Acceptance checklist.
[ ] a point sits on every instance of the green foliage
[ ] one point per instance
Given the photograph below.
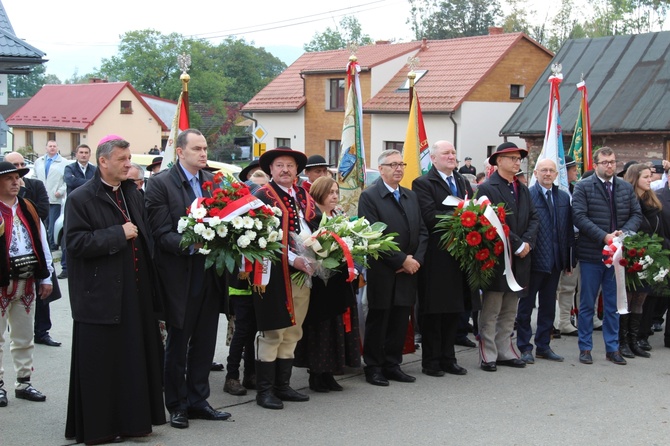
(25, 86)
(436, 19)
(349, 30)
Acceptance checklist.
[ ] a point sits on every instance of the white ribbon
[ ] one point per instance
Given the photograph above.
(619, 275)
(492, 217)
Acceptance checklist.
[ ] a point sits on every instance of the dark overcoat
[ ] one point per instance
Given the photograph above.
(443, 286)
(95, 245)
(386, 286)
(523, 224)
(167, 200)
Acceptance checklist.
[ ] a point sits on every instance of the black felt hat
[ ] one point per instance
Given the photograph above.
(268, 157)
(506, 147)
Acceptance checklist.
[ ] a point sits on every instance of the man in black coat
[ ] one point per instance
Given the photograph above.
(549, 257)
(443, 289)
(468, 167)
(75, 175)
(35, 191)
(281, 309)
(193, 295)
(115, 375)
(499, 302)
(392, 279)
(603, 206)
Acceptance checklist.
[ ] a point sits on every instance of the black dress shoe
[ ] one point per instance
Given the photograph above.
(376, 379)
(216, 367)
(398, 375)
(179, 419)
(454, 369)
(488, 366)
(514, 362)
(585, 357)
(432, 372)
(30, 393)
(465, 342)
(47, 340)
(207, 413)
(3, 397)
(615, 357)
(62, 275)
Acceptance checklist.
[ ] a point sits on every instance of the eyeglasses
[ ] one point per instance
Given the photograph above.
(394, 166)
(19, 164)
(547, 171)
(285, 166)
(515, 159)
(607, 163)
(139, 180)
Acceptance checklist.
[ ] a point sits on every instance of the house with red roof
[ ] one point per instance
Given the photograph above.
(468, 89)
(84, 113)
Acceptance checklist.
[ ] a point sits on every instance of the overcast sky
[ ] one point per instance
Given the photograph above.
(77, 34)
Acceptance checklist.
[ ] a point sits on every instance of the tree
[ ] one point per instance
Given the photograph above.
(517, 20)
(349, 30)
(438, 19)
(25, 86)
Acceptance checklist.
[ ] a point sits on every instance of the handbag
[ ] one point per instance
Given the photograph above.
(23, 267)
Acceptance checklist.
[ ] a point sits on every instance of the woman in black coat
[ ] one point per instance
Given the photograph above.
(331, 339)
(639, 175)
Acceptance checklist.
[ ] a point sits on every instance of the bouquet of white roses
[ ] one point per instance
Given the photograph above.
(344, 240)
(231, 225)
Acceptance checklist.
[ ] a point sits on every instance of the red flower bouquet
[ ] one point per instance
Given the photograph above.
(231, 225)
(473, 240)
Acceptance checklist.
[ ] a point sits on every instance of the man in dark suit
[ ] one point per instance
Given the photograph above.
(75, 175)
(603, 206)
(392, 279)
(443, 289)
(499, 302)
(35, 191)
(194, 295)
(549, 258)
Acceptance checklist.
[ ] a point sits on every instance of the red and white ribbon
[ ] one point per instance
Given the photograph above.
(492, 217)
(235, 209)
(615, 252)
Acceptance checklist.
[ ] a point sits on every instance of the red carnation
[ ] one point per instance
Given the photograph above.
(474, 238)
(501, 213)
(207, 185)
(218, 177)
(637, 267)
(491, 233)
(484, 221)
(632, 252)
(498, 248)
(482, 254)
(252, 213)
(623, 262)
(468, 219)
(506, 230)
(641, 252)
(488, 265)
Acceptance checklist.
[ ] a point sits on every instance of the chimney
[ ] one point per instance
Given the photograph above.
(495, 30)
(424, 43)
(97, 80)
(382, 42)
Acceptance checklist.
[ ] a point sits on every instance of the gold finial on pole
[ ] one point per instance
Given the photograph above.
(412, 63)
(184, 62)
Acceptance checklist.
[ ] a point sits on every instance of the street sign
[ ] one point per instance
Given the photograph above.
(259, 149)
(260, 133)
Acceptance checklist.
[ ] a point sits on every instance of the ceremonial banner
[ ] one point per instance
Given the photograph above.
(580, 147)
(553, 137)
(179, 124)
(415, 150)
(351, 166)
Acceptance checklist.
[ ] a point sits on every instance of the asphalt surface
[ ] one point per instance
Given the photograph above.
(544, 404)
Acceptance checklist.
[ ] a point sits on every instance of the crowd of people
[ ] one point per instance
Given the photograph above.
(127, 269)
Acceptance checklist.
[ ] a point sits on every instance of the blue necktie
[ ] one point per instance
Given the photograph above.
(396, 194)
(452, 185)
(47, 165)
(195, 185)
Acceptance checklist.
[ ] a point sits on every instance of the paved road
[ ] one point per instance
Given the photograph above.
(544, 404)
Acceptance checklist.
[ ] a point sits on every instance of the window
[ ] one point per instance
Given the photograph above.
(126, 107)
(333, 151)
(336, 94)
(51, 136)
(283, 142)
(394, 145)
(75, 140)
(419, 75)
(29, 139)
(517, 91)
